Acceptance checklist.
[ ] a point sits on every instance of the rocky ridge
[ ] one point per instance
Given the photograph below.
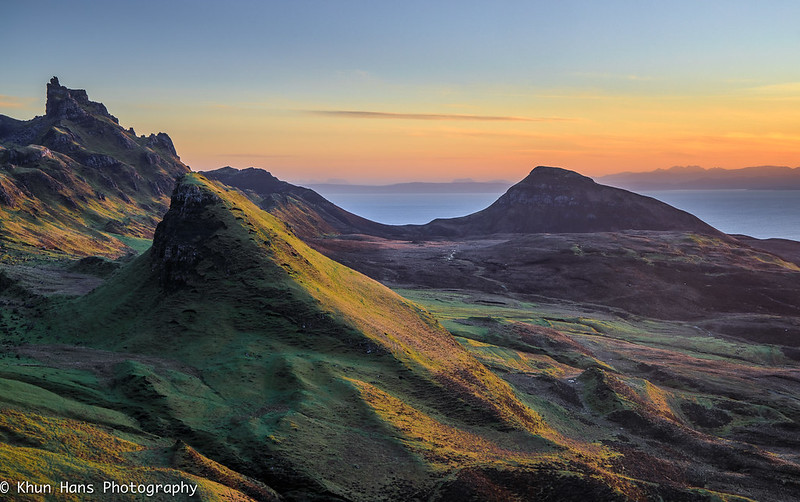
(308, 213)
(74, 179)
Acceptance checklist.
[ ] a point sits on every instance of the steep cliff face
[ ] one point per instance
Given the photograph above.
(73, 180)
(182, 237)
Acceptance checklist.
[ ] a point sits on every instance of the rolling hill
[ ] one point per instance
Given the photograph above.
(309, 214)
(245, 350)
(555, 200)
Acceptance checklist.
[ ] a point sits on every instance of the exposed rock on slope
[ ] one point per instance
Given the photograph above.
(74, 179)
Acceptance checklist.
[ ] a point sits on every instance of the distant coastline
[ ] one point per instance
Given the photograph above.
(763, 214)
(464, 187)
(698, 178)
(674, 178)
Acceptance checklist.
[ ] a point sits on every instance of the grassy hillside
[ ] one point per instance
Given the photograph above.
(234, 354)
(292, 347)
(680, 405)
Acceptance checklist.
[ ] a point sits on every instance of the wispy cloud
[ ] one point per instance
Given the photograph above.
(789, 88)
(254, 155)
(14, 102)
(477, 133)
(613, 76)
(362, 114)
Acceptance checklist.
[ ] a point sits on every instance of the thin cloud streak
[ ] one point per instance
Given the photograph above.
(613, 76)
(254, 155)
(14, 102)
(361, 114)
(791, 87)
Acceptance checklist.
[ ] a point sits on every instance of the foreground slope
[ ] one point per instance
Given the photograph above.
(293, 376)
(74, 182)
(682, 405)
(235, 337)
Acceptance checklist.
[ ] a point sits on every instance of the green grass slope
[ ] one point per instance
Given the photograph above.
(233, 356)
(683, 408)
(270, 360)
(294, 351)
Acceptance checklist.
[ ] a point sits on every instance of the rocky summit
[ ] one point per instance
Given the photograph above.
(72, 104)
(74, 182)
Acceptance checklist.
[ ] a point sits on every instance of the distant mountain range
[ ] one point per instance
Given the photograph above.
(549, 199)
(697, 178)
(414, 187)
(674, 178)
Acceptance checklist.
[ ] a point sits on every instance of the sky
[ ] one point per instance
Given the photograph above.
(388, 91)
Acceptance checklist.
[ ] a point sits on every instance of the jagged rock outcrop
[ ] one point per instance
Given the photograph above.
(161, 141)
(72, 104)
(179, 238)
(77, 152)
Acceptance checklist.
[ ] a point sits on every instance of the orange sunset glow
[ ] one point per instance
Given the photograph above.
(381, 94)
(594, 134)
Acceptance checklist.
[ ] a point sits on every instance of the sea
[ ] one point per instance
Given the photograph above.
(762, 214)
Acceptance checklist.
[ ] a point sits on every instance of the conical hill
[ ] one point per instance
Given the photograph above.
(266, 342)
